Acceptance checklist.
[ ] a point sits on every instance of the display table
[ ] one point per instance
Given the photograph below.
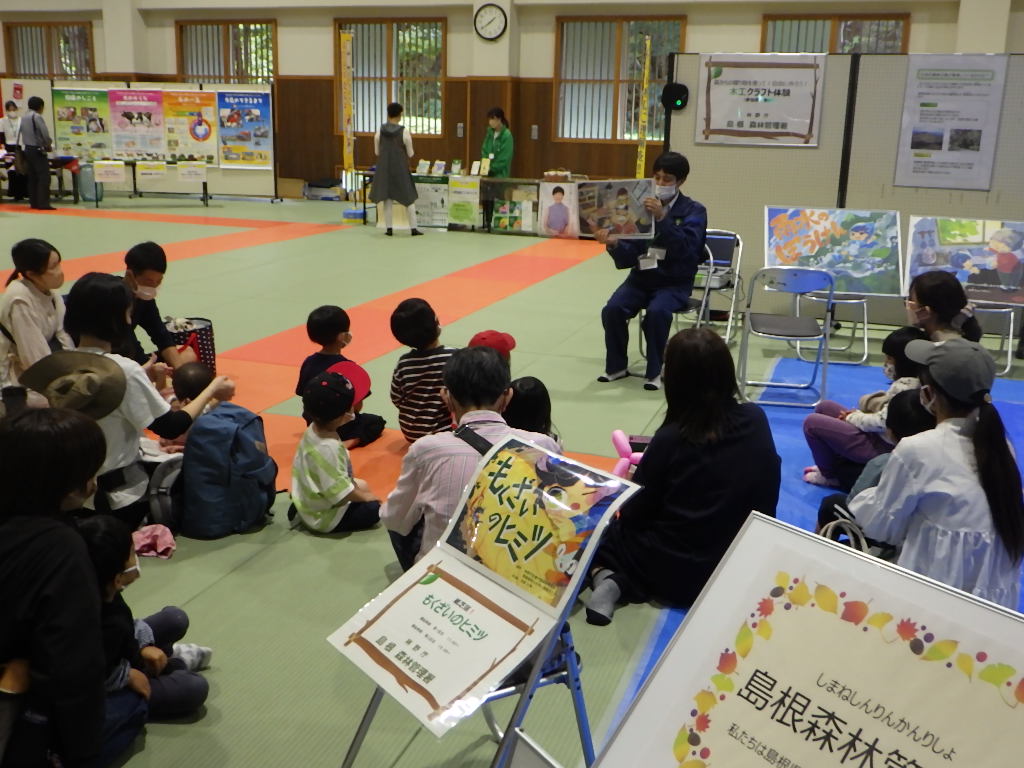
(57, 166)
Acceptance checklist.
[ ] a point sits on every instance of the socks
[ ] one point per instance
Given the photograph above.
(606, 377)
(196, 657)
(813, 476)
(603, 597)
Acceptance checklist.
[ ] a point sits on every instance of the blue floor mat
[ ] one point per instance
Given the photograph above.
(798, 501)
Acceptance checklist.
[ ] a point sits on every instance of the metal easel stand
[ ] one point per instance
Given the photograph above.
(556, 662)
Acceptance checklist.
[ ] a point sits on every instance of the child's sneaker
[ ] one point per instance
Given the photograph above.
(196, 657)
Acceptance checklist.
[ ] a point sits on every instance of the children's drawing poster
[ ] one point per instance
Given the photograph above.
(82, 124)
(559, 210)
(137, 124)
(986, 255)
(951, 110)
(802, 652)
(860, 248)
(529, 516)
(246, 129)
(616, 206)
(190, 119)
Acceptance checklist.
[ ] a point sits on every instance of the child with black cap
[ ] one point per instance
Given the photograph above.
(325, 495)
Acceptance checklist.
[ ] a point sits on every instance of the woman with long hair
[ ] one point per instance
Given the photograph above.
(950, 497)
(711, 462)
(937, 304)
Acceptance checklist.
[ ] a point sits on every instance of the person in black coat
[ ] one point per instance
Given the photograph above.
(711, 462)
(49, 600)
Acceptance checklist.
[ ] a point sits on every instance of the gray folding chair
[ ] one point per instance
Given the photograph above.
(854, 301)
(1000, 321)
(788, 327)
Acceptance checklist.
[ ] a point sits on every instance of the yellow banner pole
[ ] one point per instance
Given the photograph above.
(645, 104)
(347, 105)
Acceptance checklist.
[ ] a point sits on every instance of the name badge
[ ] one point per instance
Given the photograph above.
(648, 261)
(657, 253)
(490, 156)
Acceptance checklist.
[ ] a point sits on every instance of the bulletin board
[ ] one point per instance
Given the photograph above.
(735, 183)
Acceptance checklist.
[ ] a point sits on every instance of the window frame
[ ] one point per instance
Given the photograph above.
(835, 19)
(617, 82)
(179, 33)
(390, 78)
(9, 27)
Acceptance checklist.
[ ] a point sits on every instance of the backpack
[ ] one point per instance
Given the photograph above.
(165, 492)
(229, 480)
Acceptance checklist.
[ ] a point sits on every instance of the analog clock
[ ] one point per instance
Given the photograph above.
(490, 21)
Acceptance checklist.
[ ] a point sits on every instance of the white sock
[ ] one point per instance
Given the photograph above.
(387, 214)
(412, 215)
(196, 657)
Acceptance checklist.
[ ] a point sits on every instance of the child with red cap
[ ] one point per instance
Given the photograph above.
(502, 343)
(325, 495)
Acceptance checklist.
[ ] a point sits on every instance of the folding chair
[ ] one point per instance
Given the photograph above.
(853, 300)
(987, 318)
(790, 328)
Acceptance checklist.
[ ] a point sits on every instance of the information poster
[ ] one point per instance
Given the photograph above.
(616, 206)
(464, 201)
(767, 99)
(801, 652)
(246, 132)
(82, 124)
(559, 210)
(513, 216)
(431, 201)
(190, 119)
(137, 124)
(150, 169)
(455, 625)
(985, 255)
(191, 171)
(860, 248)
(951, 111)
(109, 171)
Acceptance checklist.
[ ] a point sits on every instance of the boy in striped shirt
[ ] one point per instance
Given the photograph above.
(417, 380)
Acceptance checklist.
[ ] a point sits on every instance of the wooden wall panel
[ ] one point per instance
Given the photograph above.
(306, 145)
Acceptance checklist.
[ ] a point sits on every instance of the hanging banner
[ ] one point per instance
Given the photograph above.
(860, 248)
(645, 102)
(802, 652)
(192, 171)
(985, 255)
(246, 129)
(951, 110)
(464, 201)
(190, 119)
(348, 128)
(767, 99)
(137, 124)
(431, 200)
(109, 171)
(150, 169)
(458, 622)
(82, 124)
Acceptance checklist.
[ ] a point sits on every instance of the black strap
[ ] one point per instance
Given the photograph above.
(5, 332)
(481, 444)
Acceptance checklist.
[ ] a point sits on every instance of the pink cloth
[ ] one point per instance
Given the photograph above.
(154, 541)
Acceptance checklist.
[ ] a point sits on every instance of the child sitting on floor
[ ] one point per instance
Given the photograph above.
(842, 441)
(530, 407)
(189, 382)
(325, 495)
(143, 656)
(502, 343)
(329, 326)
(416, 383)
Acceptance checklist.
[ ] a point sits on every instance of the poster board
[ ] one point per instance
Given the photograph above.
(763, 99)
(559, 214)
(950, 127)
(190, 120)
(616, 205)
(985, 255)
(246, 129)
(20, 90)
(451, 628)
(137, 124)
(802, 652)
(431, 201)
(463, 201)
(82, 123)
(860, 248)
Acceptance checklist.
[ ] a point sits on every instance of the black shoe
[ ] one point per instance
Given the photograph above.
(416, 232)
(388, 232)
(47, 208)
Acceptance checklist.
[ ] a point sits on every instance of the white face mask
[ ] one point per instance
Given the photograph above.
(12, 115)
(928, 403)
(665, 192)
(889, 369)
(145, 292)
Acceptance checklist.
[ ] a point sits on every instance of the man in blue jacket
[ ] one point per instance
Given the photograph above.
(661, 271)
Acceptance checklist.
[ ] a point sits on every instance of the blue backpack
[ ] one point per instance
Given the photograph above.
(228, 478)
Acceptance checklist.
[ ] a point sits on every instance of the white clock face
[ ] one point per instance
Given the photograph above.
(490, 21)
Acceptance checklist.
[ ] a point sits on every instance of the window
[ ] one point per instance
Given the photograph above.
(226, 51)
(600, 76)
(399, 61)
(50, 50)
(836, 34)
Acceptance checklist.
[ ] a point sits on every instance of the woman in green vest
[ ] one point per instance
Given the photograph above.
(498, 144)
